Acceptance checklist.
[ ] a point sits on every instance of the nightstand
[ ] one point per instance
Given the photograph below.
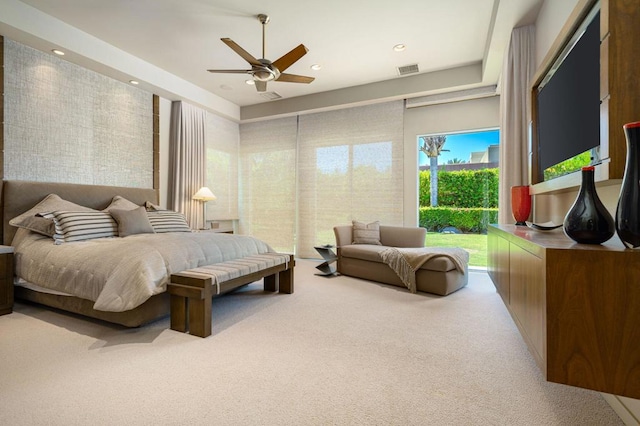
(6, 279)
(217, 231)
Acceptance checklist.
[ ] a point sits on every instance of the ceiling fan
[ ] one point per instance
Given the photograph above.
(263, 70)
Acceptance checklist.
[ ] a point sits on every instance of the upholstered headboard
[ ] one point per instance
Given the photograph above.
(19, 196)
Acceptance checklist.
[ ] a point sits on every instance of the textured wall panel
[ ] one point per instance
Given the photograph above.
(64, 123)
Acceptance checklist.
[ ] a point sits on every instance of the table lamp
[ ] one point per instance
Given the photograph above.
(203, 195)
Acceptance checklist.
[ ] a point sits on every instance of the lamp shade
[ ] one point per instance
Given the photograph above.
(204, 194)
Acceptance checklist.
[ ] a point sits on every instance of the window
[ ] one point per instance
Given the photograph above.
(459, 189)
(350, 167)
(268, 182)
(301, 176)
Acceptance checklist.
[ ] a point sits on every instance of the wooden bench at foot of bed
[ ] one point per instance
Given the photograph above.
(191, 291)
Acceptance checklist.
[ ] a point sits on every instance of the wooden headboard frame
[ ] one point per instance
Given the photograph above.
(19, 196)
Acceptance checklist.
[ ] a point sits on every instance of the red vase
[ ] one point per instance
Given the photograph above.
(520, 203)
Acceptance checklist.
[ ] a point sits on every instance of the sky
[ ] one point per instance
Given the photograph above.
(461, 145)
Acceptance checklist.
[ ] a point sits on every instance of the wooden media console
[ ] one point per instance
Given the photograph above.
(577, 306)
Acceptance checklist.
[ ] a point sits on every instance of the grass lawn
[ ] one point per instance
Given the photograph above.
(475, 244)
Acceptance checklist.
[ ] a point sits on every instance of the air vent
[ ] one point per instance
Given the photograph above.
(408, 69)
(272, 96)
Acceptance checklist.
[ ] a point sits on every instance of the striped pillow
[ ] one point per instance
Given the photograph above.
(81, 225)
(168, 221)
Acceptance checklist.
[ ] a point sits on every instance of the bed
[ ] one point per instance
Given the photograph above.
(168, 253)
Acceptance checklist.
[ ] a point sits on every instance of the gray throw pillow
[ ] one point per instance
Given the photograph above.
(131, 222)
(366, 233)
(45, 226)
(120, 203)
(39, 225)
(153, 207)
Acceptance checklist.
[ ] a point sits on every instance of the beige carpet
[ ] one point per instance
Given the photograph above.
(340, 351)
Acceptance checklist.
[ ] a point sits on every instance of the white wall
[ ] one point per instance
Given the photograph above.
(443, 118)
(551, 18)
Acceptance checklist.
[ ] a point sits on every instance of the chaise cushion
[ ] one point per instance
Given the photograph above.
(371, 253)
(368, 252)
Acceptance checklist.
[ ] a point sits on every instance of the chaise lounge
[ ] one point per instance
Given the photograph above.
(439, 275)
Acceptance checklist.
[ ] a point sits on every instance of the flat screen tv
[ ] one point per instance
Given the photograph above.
(567, 105)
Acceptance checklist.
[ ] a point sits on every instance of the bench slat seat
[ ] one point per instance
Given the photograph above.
(192, 290)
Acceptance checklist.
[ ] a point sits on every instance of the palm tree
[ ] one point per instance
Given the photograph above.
(432, 146)
(456, 161)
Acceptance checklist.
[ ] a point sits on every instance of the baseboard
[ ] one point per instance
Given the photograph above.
(625, 414)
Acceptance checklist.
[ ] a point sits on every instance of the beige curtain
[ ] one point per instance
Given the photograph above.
(187, 160)
(518, 69)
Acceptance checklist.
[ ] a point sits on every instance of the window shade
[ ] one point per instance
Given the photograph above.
(268, 181)
(350, 167)
(222, 144)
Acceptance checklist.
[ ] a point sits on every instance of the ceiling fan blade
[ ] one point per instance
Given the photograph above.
(261, 86)
(232, 71)
(240, 51)
(288, 59)
(293, 78)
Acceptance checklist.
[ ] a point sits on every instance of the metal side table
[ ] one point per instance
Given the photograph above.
(327, 267)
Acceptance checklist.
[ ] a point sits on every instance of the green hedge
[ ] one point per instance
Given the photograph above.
(473, 220)
(463, 188)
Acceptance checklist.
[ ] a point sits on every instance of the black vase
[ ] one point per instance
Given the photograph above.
(628, 211)
(588, 221)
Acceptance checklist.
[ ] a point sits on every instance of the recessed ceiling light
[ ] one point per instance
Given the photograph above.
(133, 82)
(316, 67)
(250, 82)
(399, 47)
(58, 52)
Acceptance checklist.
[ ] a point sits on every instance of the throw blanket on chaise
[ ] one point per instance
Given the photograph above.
(406, 261)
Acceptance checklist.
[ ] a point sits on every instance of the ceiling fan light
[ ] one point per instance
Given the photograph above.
(250, 82)
(264, 75)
